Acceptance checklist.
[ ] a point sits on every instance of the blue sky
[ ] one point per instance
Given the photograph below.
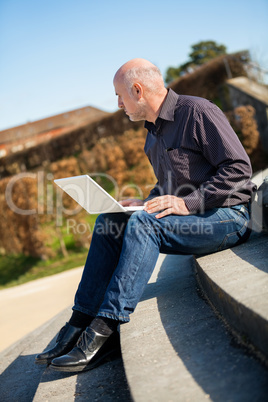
(59, 55)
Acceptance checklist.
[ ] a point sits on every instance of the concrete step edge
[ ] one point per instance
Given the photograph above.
(152, 367)
(169, 346)
(246, 318)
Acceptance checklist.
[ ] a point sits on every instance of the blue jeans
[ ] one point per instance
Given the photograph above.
(125, 248)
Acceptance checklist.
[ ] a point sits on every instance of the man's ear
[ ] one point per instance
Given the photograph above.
(137, 90)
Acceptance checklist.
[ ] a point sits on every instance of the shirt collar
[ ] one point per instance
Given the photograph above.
(168, 108)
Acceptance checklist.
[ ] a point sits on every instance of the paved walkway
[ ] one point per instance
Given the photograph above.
(25, 307)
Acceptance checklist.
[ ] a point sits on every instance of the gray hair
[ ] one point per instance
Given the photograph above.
(150, 77)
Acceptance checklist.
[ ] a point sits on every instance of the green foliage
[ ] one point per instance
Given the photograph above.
(18, 269)
(201, 53)
(173, 73)
(14, 266)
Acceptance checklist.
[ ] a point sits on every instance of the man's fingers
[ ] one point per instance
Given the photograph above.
(159, 203)
(131, 202)
(166, 212)
(166, 205)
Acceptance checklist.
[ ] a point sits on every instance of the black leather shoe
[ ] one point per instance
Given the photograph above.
(65, 341)
(91, 350)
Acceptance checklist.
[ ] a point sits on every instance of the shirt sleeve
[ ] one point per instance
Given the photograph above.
(223, 150)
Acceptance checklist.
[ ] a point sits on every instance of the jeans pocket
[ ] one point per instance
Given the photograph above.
(226, 215)
(238, 231)
(241, 210)
(231, 240)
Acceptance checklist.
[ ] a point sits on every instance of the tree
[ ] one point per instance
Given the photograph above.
(204, 51)
(201, 53)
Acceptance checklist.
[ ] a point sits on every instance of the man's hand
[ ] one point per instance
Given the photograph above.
(167, 204)
(130, 202)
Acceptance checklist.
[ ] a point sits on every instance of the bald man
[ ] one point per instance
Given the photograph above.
(199, 205)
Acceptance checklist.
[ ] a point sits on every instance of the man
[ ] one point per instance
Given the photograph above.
(198, 206)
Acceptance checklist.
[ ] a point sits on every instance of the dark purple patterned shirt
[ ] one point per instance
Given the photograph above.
(196, 155)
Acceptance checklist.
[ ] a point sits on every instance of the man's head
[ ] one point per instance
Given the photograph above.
(140, 89)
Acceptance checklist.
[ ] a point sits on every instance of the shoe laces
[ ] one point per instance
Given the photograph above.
(84, 340)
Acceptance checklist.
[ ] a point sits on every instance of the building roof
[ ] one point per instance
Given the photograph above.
(251, 88)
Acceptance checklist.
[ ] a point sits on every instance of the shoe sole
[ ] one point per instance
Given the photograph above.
(48, 361)
(110, 355)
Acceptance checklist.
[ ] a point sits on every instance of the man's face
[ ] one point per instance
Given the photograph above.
(133, 106)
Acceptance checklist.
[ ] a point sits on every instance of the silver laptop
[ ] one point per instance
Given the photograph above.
(91, 196)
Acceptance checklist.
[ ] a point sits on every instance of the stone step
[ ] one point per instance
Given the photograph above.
(20, 377)
(175, 348)
(24, 381)
(236, 283)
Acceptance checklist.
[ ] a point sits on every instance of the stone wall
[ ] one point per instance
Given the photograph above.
(240, 96)
(30, 129)
(66, 145)
(207, 80)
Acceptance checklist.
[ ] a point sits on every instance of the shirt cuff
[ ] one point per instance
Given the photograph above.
(195, 202)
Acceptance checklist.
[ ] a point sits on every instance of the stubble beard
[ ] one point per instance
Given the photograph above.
(139, 114)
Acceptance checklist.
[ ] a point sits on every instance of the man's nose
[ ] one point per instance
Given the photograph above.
(120, 103)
